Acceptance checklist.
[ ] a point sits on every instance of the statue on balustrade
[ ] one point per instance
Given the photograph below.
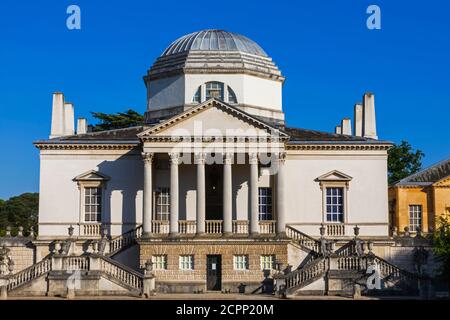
(67, 246)
(6, 262)
(420, 257)
(103, 242)
(358, 243)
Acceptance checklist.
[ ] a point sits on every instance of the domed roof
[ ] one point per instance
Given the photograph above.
(214, 40)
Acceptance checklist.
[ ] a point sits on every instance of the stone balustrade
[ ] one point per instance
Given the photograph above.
(160, 226)
(240, 226)
(267, 227)
(213, 226)
(303, 239)
(351, 263)
(91, 229)
(187, 226)
(335, 229)
(124, 274)
(124, 240)
(301, 277)
(29, 274)
(75, 263)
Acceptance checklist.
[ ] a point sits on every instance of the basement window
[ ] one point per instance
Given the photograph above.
(159, 262)
(268, 262)
(186, 262)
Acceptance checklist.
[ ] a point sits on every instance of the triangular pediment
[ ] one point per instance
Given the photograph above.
(213, 118)
(91, 175)
(334, 175)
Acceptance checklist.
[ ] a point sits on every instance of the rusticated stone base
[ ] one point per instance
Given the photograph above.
(174, 280)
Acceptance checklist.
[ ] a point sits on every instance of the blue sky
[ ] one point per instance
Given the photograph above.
(323, 48)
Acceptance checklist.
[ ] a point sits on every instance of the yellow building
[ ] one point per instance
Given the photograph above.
(419, 199)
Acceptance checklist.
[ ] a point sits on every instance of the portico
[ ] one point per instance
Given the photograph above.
(222, 205)
(210, 222)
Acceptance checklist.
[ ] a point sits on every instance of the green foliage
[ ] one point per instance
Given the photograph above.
(19, 211)
(403, 161)
(129, 118)
(441, 247)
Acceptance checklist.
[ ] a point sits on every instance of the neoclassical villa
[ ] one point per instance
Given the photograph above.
(215, 188)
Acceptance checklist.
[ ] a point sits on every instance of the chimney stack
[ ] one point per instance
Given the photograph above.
(346, 126)
(369, 122)
(358, 115)
(338, 130)
(81, 126)
(57, 127)
(69, 119)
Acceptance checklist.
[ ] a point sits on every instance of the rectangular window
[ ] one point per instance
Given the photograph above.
(159, 262)
(335, 204)
(92, 204)
(268, 262)
(240, 262)
(415, 217)
(265, 204)
(162, 204)
(186, 262)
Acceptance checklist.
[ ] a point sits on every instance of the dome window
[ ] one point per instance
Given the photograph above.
(231, 96)
(197, 95)
(214, 89)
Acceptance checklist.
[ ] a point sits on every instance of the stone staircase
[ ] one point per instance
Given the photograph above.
(306, 275)
(29, 274)
(347, 260)
(124, 241)
(306, 242)
(84, 267)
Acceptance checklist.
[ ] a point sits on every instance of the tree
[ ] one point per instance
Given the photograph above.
(403, 161)
(441, 248)
(19, 211)
(119, 120)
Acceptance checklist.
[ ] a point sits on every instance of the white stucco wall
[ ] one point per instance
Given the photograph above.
(366, 196)
(59, 199)
(250, 90)
(367, 204)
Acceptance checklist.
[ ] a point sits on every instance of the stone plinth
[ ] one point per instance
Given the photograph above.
(175, 280)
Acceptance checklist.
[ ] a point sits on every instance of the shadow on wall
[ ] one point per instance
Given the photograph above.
(403, 255)
(127, 178)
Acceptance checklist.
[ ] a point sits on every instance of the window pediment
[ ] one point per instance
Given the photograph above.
(334, 176)
(91, 175)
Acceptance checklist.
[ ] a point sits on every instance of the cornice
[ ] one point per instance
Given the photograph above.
(209, 139)
(335, 146)
(85, 146)
(212, 70)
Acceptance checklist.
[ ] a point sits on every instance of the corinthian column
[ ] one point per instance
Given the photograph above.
(174, 162)
(147, 198)
(227, 194)
(281, 195)
(254, 211)
(200, 160)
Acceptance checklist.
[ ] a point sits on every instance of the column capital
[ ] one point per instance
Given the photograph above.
(253, 157)
(147, 157)
(228, 158)
(174, 157)
(200, 158)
